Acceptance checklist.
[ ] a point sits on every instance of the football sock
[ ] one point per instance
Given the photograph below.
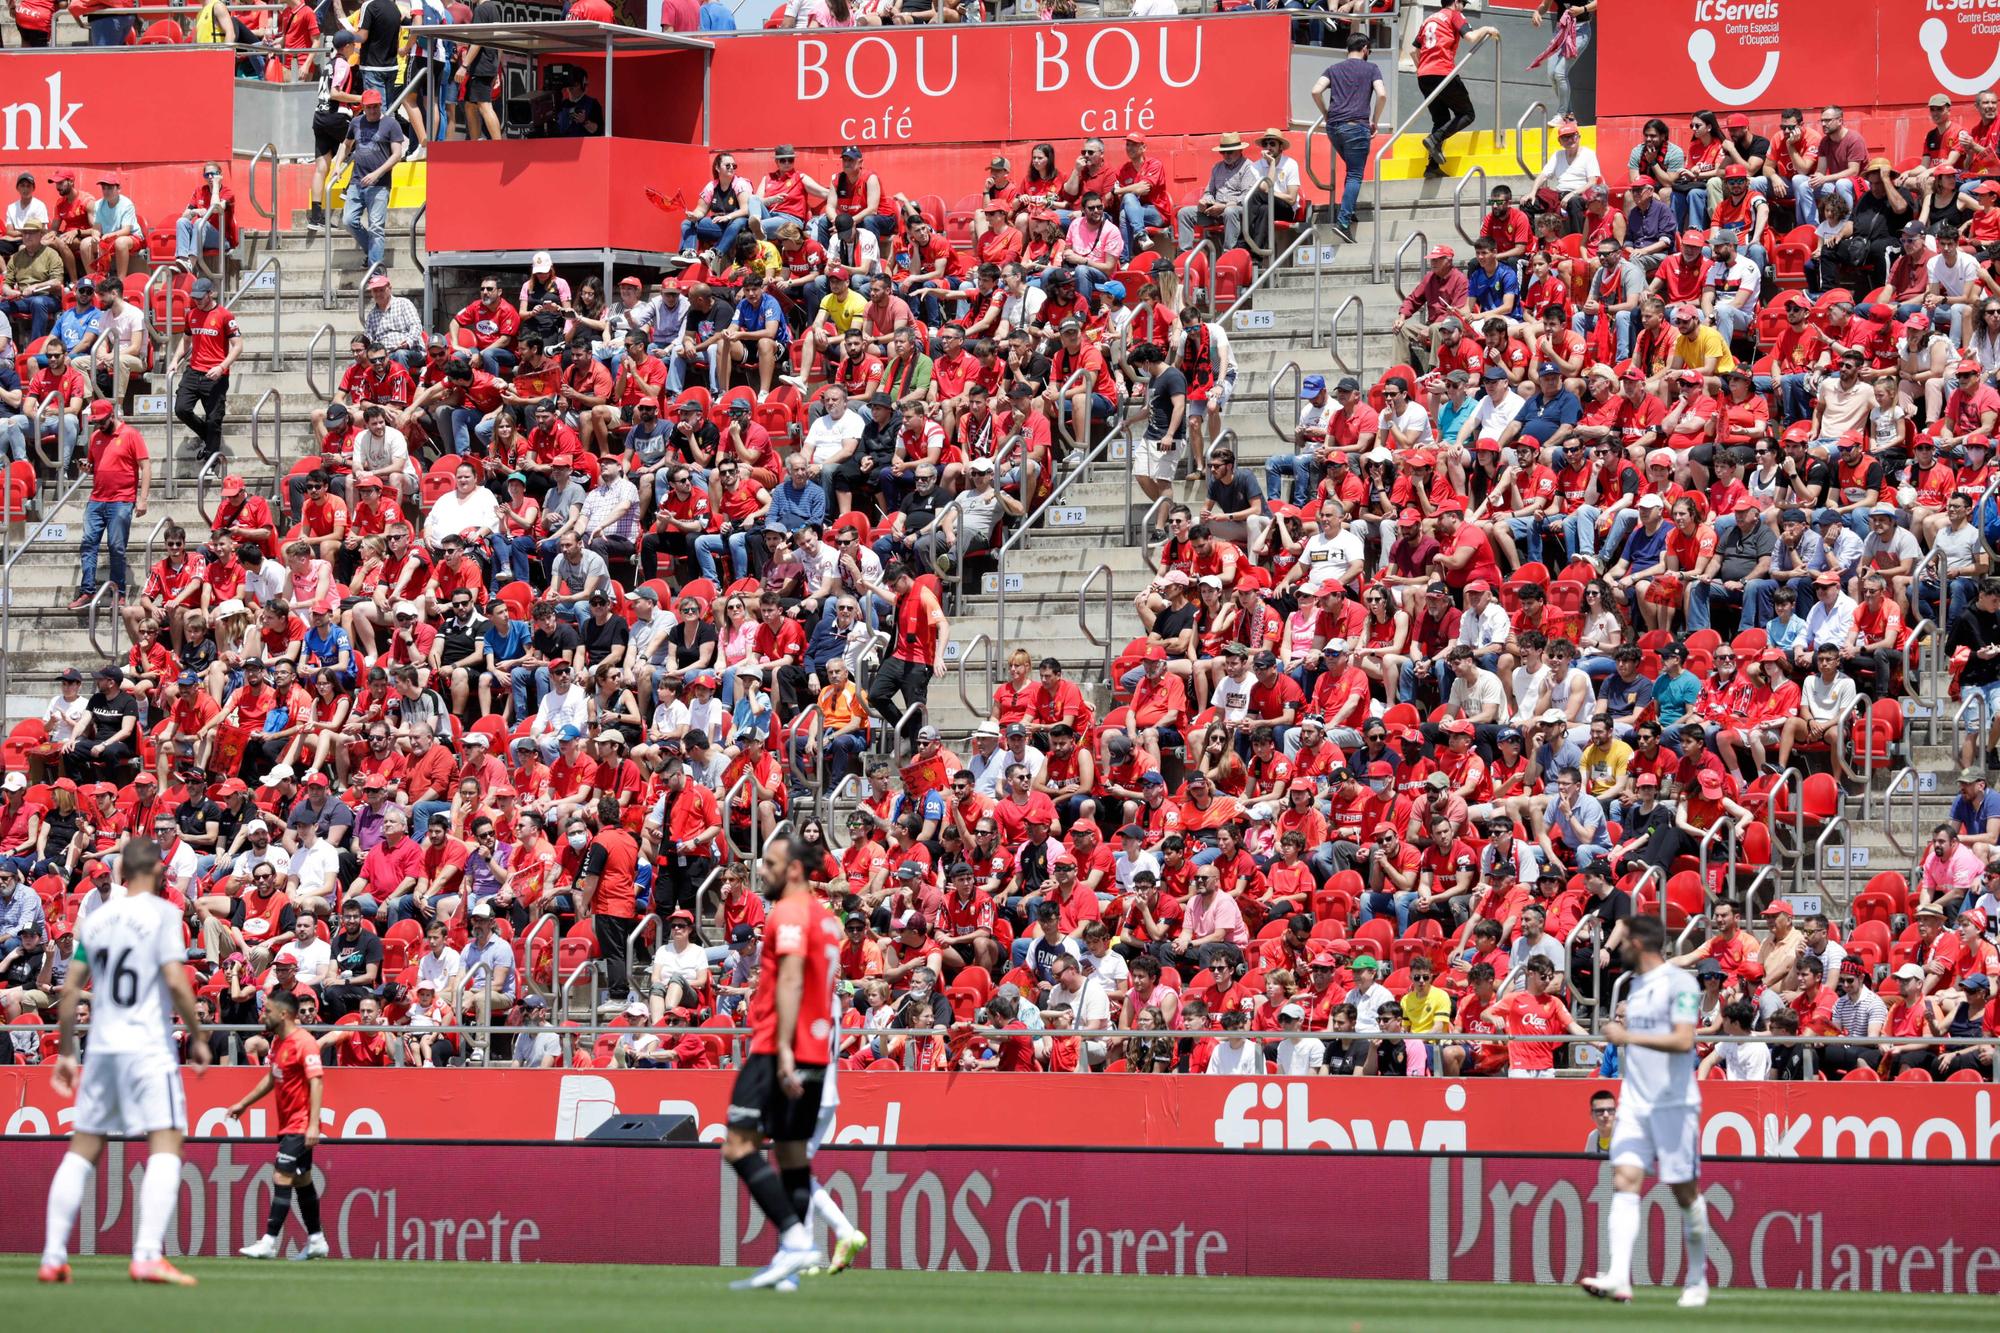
(66, 1193)
(159, 1193)
(1623, 1229)
(766, 1189)
(798, 1181)
(281, 1208)
(829, 1211)
(308, 1198)
(1694, 1227)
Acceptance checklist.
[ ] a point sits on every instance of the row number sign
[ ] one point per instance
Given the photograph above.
(1256, 319)
(1068, 516)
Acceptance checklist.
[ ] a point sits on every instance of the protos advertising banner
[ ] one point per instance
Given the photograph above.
(88, 106)
(998, 82)
(1035, 1211)
(1880, 1121)
(1680, 56)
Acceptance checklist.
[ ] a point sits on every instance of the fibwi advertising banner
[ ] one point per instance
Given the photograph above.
(133, 106)
(1847, 1227)
(1680, 56)
(910, 86)
(1869, 1121)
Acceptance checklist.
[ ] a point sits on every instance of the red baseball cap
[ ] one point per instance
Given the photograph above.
(1154, 653)
(1737, 171)
(373, 97)
(1410, 515)
(101, 409)
(111, 178)
(1693, 237)
(61, 174)
(1736, 120)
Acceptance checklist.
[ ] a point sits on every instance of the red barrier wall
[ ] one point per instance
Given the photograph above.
(554, 194)
(81, 107)
(1204, 1215)
(1950, 1121)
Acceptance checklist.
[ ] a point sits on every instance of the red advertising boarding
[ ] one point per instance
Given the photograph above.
(88, 106)
(1845, 1228)
(1727, 55)
(991, 82)
(1881, 1121)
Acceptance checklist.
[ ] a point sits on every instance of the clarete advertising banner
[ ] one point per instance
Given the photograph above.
(1943, 1122)
(86, 106)
(1679, 56)
(1849, 1227)
(991, 82)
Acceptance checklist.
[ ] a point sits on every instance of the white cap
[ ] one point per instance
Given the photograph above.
(1291, 1011)
(279, 774)
(1651, 502)
(232, 607)
(987, 728)
(482, 911)
(611, 734)
(256, 824)
(409, 609)
(19, 782)
(1553, 715)
(638, 1009)
(541, 263)
(980, 465)
(1909, 972)
(477, 737)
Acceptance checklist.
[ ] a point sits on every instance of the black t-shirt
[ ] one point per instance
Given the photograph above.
(1344, 1057)
(461, 640)
(557, 643)
(384, 23)
(487, 63)
(193, 817)
(108, 714)
(1160, 394)
(918, 507)
(25, 968)
(354, 956)
(686, 650)
(1235, 495)
(1612, 908)
(599, 640)
(1171, 622)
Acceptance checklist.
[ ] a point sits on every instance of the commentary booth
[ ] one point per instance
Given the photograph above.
(584, 200)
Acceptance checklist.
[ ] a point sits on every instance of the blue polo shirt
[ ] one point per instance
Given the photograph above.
(1487, 292)
(1540, 418)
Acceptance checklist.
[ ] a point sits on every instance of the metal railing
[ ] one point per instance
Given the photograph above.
(1271, 269)
(1202, 247)
(1083, 619)
(276, 458)
(361, 293)
(1422, 241)
(162, 333)
(1355, 303)
(202, 481)
(1724, 827)
(528, 938)
(982, 710)
(269, 265)
(1389, 144)
(93, 612)
(268, 155)
(1903, 782)
(324, 333)
(49, 516)
(1458, 202)
(1537, 111)
(808, 725)
(1271, 396)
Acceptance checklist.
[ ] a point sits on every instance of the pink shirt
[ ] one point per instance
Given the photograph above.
(1961, 870)
(1105, 249)
(1220, 914)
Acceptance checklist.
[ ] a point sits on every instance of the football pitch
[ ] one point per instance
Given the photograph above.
(245, 1295)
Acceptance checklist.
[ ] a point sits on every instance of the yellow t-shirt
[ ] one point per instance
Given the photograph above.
(1602, 768)
(1429, 1013)
(1694, 352)
(844, 314)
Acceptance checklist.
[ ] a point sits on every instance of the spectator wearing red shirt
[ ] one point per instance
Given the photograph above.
(120, 473)
(1140, 189)
(485, 330)
(214, 342)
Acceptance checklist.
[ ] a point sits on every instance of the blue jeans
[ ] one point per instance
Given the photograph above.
(1731, 320)
(522, 675)
(110, 520)
(1758, 594)
(701, 233)
(1580, 531)
(1621, 324)
(1350, 139)
(39, 311)
(1133, 219)
(1528, 532)
(463, 419)
(1560, 67)
(1706, 592)
(366, 216)
(1962, 592)
(513, 555)
(192, 236)
(110, 31)
(494, 361)
(1808, 202)
(1796, 398)
(710, 545)
(13, 438)
(1303, 469)
(1370, 904)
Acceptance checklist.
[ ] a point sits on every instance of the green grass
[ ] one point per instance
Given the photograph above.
(240, 1296)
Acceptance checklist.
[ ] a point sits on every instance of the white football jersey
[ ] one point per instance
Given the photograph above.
(126, 944)
(1656, 1002)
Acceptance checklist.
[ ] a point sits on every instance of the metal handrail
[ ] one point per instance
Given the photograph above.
(201, 484)
(1225, 436)
(1360, 334)
(1918, 654)
(268, 155)
(104, 590)
(1271, 397)
(1062, 414)
(632, 939)
(1650, 871)
(7, 579)
(1458, 202)
(1423, 242)
(528, 953)
(146, 551)
(1388, 144)
(1146, 525)
(1204, 246)
(1903, 781)
(587, 966)
(1837, 824)
(326, 238)
(1027, 525)
(1535, 110)
(416, 255)
(803, 725)
(276, 458)
(1082, 618)
(361, 296)
(277, 272)
(728, 856)
(1271, 269)
(320, 395)
(1727, 825)
(982, 711)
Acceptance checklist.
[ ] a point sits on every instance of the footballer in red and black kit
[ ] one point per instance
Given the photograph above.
(295, 1074)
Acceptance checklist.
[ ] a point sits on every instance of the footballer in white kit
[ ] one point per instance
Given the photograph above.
(1658, 1126)
(132, 956)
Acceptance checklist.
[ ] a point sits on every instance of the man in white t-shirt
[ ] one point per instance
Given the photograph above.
(440, 964)
(309, 953)
(1954, 282)
(1086, 1001)
(832, 438)
(1297, 1053)
(1741, 1061)
(1493, 413)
